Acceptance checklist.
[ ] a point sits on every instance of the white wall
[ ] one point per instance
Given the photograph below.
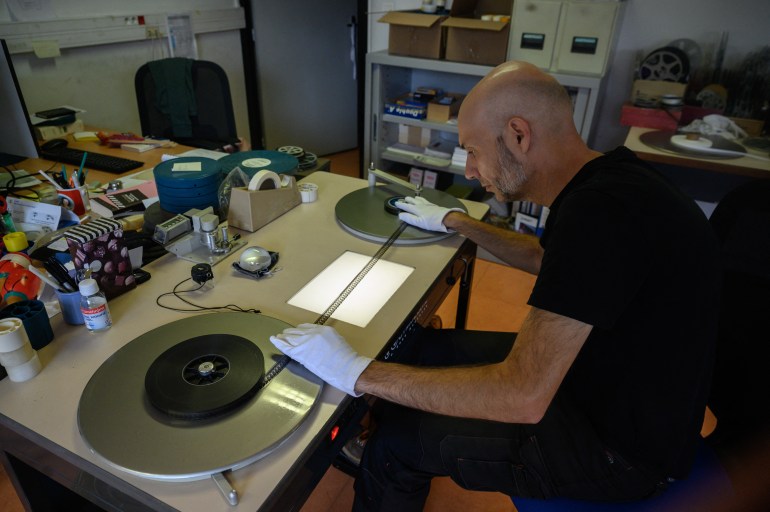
(100, 78)
(650, 24)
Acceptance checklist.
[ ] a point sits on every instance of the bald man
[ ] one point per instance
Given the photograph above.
(603, 393)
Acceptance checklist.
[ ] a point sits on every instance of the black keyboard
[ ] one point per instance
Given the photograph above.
(98, 161)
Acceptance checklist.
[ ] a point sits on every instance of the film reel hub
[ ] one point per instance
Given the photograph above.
(205, 376)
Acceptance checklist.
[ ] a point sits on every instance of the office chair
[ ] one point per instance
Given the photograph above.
(187, 101)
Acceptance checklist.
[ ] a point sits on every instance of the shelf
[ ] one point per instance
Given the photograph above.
(444, 66)
(403, 159)
(443, 127)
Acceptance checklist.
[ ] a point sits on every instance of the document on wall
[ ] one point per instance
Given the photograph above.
(181, 38)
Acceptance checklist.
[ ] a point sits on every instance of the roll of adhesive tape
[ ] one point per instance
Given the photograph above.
(25, 371)
(308, 192)
(13, 336)
(18, 356)
(264, 180)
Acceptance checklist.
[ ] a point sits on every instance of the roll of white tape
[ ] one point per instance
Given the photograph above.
(25, 371)
(308, 192)
(265, 180)
(12, 334)
(18, 356)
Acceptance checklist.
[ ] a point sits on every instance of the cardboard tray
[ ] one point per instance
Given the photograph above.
(252, 209)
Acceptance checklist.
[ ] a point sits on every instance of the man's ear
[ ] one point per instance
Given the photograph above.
(517, 133)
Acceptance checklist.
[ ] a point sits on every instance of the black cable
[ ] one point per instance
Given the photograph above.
(175, 293)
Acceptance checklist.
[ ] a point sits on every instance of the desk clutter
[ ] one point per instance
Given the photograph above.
(678, 88)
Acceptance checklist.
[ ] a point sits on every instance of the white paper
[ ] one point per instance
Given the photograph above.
(34, 218)
(366, 299)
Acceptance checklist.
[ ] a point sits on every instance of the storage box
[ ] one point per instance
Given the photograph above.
(443, 109)
(586, 31)
(99, 245)
(405, 106)
(48, 132)
(650, 117)
(415, 34)
(414, 135)
(533, 31)
(471, 39)
(651, 90)
(252, 209)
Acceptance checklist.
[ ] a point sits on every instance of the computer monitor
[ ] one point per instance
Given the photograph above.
(17, 137)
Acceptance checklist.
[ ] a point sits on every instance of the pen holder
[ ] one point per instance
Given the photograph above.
(69, 302)
(75, 199)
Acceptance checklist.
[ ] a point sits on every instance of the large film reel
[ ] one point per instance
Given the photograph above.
(668, 64)
(363, 213)
(119, 424)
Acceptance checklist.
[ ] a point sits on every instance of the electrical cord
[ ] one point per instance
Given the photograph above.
(175, 292)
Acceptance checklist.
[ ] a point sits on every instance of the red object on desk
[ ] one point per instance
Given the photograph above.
(650, 117)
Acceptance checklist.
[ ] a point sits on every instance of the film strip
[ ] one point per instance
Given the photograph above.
(321, 320)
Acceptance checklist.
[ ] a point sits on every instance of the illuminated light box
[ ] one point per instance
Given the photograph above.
(366, 299)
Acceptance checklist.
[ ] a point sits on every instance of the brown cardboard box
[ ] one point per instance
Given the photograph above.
(441, 113)
(252, 209)
(470, 39)
(415, 34)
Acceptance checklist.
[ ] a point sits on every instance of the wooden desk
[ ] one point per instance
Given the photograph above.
(38, 418)
(151, 158)
(743, 166)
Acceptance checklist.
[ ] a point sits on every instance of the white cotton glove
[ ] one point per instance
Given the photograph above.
(421, 213)
(321, 349)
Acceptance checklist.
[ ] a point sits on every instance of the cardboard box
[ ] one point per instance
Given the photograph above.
(415, 34)
(652, 90)
(252, 209)
(48, 132)
(414, 135)
(443, 109)
(100, 246)
(650, 117)
(405, 106)
(471, 39)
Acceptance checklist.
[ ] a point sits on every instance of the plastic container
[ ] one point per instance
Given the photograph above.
(93, 305)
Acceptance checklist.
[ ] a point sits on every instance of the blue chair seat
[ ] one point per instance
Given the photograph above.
(707, 478)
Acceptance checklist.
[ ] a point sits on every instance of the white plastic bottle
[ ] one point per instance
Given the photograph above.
(93, 305)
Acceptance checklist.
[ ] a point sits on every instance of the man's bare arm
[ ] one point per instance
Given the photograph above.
(517, 390)
(515, 249)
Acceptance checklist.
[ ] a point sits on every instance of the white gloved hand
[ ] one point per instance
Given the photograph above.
(321, 349)
(421, 213)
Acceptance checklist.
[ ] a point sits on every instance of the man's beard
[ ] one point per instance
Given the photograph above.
(511, 177)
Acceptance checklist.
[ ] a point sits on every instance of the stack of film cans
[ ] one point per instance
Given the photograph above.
(17, 356)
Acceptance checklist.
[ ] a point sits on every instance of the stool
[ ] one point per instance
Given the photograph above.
(707, 478)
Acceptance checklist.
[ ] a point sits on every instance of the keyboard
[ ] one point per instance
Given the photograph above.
(97, 161)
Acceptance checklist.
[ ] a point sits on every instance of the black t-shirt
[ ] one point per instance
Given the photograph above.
(626, 252)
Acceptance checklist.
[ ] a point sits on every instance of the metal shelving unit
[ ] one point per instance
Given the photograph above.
(390, 76)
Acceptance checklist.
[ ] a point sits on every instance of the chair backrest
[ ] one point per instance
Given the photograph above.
(211, 118)
(739, 398)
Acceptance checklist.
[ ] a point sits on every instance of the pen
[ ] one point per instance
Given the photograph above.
(82, 163)
(64, 174)
(53, 182)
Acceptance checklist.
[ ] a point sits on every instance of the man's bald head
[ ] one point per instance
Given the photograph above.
(522, 90)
